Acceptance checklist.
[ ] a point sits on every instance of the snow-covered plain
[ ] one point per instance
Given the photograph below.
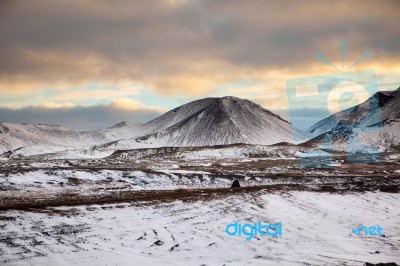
(317, 230)
(47, 183)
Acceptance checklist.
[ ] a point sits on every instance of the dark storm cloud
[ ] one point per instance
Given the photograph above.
(139, 39)
(94, 117)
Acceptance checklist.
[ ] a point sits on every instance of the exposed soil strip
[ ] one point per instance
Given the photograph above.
(24, 203)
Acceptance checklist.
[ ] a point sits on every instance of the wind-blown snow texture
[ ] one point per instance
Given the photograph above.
(205, 122)
(316, 231)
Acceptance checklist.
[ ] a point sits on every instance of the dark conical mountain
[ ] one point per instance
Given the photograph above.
(217, 121)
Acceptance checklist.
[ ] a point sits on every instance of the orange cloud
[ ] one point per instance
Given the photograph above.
(184, 48)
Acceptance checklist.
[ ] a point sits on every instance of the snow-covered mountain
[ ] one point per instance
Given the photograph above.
(29, 139)
(364, 114)
(220, 121)
(205, 122)
(374, 122)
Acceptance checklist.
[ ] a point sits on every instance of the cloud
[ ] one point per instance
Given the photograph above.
(181, 47)
(126, 104)
(80, 117)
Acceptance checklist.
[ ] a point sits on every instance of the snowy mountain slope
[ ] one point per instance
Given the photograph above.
(362, 128)
(126, 130)
(44, 138)
(223, 121)
(364, 114)
(29, 139)
(178, 114)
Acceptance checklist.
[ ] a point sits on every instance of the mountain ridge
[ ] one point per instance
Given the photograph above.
(384, 98)
(203, 122)
(374, 123)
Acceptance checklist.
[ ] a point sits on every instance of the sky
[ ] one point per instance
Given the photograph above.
(91, 64)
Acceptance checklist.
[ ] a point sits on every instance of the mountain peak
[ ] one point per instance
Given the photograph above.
(230, 98)
(122, 124)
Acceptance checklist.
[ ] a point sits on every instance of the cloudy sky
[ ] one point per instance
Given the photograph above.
(93, 63)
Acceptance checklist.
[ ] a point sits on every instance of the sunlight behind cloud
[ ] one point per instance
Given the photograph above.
(345, 95)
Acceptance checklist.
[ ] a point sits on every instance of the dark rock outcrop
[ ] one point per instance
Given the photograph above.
(235, 184)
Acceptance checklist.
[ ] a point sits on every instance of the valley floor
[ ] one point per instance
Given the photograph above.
(164, 208)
